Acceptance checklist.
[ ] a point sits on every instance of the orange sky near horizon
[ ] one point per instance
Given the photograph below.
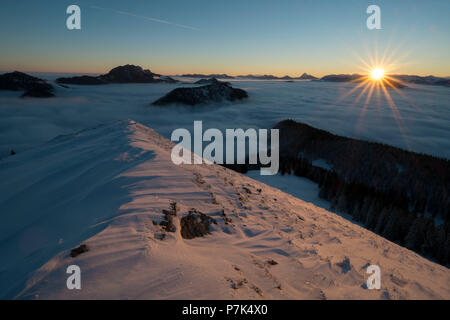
(178, 69)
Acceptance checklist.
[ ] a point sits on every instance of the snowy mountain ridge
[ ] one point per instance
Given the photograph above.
(107, 187)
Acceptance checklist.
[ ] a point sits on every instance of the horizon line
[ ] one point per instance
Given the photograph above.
(219, 73)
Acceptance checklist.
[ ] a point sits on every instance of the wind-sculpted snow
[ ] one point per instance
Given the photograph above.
(112, 186)
(54, 196)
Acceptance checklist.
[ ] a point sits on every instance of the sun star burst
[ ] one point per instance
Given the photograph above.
(376, 79)
(377, 74)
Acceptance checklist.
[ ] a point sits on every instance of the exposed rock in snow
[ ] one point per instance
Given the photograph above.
(169, 215)
(107, 187)
(195, 224)
(79, 250)
(344, 265)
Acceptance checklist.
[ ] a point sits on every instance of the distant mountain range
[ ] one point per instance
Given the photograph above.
(395, 80)
(199, 75)
(429, 80)
(36, 87)
(304, 76)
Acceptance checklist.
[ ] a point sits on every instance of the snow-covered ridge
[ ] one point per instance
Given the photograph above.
(108, 186)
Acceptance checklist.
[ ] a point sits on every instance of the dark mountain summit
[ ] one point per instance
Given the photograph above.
(210, 81)
(122, 74)
(129, 74)
(34, 87)
(306, 76)
(215, 92)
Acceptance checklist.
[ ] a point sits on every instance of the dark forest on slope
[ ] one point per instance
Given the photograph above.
(397, 194)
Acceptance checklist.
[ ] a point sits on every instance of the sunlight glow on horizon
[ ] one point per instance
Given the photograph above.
(377, 74)
(378, 80)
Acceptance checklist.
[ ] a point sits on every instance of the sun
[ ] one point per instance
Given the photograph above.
(377, 74)
(376, 78)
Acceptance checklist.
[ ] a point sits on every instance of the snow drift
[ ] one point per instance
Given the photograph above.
(111, 186)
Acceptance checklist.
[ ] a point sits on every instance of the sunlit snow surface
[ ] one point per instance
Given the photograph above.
(423, 126)
(109, 187)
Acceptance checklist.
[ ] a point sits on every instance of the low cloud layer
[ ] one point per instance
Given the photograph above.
(25, 123)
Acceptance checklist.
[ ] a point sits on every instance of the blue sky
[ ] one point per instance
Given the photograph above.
(235, 37)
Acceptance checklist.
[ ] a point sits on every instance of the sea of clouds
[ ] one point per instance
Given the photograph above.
(422, 123)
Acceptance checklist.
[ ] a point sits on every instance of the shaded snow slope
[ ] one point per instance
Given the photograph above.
(106, 186)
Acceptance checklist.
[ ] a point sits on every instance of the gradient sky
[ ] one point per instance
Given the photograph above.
(235, 37)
